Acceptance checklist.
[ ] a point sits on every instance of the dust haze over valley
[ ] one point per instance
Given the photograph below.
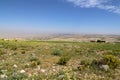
(59, 36)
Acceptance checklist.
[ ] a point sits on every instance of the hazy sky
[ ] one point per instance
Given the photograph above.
(69, 16)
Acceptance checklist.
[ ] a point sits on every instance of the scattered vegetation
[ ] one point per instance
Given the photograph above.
(56, 60)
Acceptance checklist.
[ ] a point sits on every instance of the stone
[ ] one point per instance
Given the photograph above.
(38, 68)
(54, 70)
(105, 67)
(15, 66)
(3, 76)
(42, 70)
(22, 71)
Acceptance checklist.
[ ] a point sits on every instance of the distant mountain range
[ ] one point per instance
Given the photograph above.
(61, 36)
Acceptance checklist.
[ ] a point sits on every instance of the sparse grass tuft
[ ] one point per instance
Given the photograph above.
(57, 52)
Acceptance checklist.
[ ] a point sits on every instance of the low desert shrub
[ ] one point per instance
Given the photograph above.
(2, 52)
(36, 77)
(17, 76)
(85, 62)
(57, 52)
(34, 61)
(33, 58)
(23, 52)
(63, 60)
(13, 47)
(111, 60)
(33, 64)
(94, 64)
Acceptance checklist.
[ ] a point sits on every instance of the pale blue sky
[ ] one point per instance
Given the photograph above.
(63, 16)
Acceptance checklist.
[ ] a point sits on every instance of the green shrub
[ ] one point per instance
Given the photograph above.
(36, 77)
(26, 66)
(17, 76)
(77, 50)
(57, 52)
(63, 60)
(94, 64)
(114, 52)
(2, 52)
(34, 61)
(81, 67)
(1, 71)
(13, 47)
(33, 58)
(38, 62)
(2, 39)
(33, 64)
(15, 53)
(85, 62)
(23, 52)
(111, 60)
